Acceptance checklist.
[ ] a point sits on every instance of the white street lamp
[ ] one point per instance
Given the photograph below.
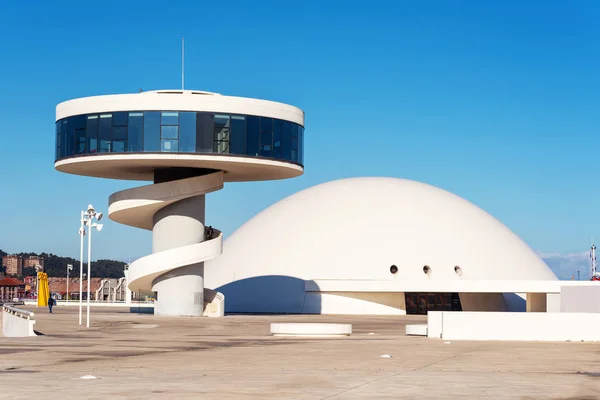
(91, 214)
(69, 268)
(81, 235)
(38, 268)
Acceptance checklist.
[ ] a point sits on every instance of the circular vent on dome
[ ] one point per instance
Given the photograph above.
(427, 270)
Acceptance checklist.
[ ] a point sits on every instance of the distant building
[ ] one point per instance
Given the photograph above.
(13, 264)
(33, 261)
(11, 288)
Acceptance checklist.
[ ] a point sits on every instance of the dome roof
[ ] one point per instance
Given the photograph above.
(358, 228)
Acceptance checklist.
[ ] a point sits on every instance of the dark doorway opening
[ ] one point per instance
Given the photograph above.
(420, 303)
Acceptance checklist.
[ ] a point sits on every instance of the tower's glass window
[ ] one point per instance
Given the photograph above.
(237, 138)
(169, 118)
(136, 132)
(252, 135)
(179, 131)
(152, 131)
(187, 132)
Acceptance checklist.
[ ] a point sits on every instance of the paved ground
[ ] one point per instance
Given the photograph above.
(142, 356)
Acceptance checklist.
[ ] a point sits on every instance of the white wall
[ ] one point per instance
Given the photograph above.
(355, 303)
(14, 325)
(514, 326)
(482, 302)
(580, 299)
(187, 100)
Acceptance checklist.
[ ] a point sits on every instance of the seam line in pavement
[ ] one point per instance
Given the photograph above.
(389, 376)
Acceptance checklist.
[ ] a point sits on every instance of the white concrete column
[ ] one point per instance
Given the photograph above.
(536, 302)
(180, 291)
(127, 290)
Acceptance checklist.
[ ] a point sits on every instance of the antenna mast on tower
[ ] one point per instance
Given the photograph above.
(593, 259)
(182, 62)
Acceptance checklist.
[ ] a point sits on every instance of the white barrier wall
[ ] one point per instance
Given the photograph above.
(553, 302)
(16, 322)
(582, 299)
(530, 326)
(214, 304)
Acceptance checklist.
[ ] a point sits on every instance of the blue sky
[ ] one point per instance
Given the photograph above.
(496, 102)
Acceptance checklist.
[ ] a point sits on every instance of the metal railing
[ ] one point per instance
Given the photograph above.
(8, 308)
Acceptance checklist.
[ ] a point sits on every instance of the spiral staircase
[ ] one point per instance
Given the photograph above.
(174, 211)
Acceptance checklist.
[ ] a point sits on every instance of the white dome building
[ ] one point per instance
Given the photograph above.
(371, 246)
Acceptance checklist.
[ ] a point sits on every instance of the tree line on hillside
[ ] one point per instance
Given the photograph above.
(56, 266)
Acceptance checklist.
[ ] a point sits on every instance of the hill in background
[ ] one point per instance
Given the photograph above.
(56, 266)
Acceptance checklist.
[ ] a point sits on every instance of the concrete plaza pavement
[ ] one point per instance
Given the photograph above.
(143, 356)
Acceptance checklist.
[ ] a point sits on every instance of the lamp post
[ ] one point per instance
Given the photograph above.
(37, 281)
(81, 235)
(69, 268)
(91, 214)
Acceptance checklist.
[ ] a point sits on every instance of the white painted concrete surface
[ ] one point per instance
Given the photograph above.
(311, 329)
(17, 322)
(416, 330)
(444, 286)
(580, 299)
(140, 167)
(174, 211)
(214, 304)
(346, 234)
(179, 100)
(553, 302)
(530, 326)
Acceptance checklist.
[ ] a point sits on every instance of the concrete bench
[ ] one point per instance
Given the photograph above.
(416, 330)
(17, 322)
(310, 329)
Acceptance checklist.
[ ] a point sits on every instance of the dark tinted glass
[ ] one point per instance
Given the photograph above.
(80, 141)
(301, 145)
(169, 118)
(169, 132)
(173, 131)
(294, 152)
(118, 146)
(119, 119)
(57, 128)
(266, 144)
(252, 135)
(152, 131)
(135, 130)
(187, 132)
(105, 126)
(277, 135)
(294, 137)
(204, 132)
(69, 147)
(64, 137)
(91, 132)
(286, 141)
(119, 132)
(104, 146)
(237, 139)
(266, 124)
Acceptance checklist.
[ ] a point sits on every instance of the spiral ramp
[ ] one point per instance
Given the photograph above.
(174, 212)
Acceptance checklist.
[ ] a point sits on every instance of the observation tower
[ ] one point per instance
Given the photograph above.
(188, 143)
